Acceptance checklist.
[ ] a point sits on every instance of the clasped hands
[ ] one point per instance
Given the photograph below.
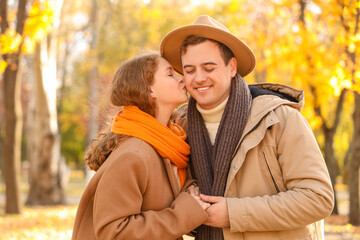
(215, 207)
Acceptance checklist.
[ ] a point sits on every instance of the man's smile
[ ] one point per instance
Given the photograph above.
(202, 89)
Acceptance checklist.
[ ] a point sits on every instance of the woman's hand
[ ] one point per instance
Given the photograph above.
(203, 204)
(193, 190)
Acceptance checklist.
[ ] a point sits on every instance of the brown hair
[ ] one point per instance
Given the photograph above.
(225, 52)
(130, 87)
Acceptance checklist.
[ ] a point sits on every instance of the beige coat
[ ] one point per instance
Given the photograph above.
(278, 183)
(135, 195)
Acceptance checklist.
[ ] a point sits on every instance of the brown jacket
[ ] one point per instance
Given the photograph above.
(278, 184)
(135, 195)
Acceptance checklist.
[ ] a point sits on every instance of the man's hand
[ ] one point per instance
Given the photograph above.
(218, 212)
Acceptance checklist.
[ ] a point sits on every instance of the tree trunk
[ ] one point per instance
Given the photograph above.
(354, 167)
(46, 165)
(13, 114)
(329, 133)
(330, 160)
(45, 177)
(12, 140)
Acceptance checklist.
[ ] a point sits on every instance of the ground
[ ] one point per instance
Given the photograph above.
(56, 222)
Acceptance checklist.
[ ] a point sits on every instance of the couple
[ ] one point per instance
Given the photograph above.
(256, 162)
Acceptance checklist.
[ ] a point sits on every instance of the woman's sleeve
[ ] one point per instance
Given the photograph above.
(118, 201)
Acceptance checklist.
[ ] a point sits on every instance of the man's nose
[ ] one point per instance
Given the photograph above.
(200, 76)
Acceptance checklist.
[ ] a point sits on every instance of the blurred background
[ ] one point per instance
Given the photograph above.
(58, 57)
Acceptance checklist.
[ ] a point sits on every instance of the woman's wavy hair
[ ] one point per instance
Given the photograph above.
(130, 87)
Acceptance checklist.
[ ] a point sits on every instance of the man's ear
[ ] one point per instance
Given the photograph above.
(233, 67)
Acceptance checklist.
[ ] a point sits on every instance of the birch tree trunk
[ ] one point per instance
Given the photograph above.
(46, 164)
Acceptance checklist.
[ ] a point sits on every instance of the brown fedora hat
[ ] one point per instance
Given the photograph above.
(207, 27)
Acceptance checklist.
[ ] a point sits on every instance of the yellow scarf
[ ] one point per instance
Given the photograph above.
(169, 141)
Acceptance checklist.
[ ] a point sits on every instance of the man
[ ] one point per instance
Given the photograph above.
(253, 154)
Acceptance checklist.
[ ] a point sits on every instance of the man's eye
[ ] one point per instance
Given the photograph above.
(189, 71)
(209, 69)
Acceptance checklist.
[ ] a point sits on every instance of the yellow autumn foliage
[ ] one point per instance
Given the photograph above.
(9, 41)
(40, 223)
(40, 20)
(38, 24)
(313, 54)
(3, 65)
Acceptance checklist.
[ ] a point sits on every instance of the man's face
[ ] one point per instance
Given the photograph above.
(206, 77)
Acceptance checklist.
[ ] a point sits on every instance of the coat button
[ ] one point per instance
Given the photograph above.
(235, 167)
(271, 120)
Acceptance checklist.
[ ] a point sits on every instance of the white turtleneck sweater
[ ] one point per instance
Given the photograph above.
(212, 118)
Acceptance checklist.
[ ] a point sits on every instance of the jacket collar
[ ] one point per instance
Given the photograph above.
(267, 97)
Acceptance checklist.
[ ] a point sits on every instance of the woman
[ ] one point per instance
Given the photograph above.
(138, 189)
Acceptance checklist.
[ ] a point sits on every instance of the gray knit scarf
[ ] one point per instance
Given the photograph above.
(210, 164)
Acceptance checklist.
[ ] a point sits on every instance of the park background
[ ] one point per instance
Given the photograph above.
(58, 57)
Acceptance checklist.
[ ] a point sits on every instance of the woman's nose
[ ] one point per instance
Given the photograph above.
(180, 79)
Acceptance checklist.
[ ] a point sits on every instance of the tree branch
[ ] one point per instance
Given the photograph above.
(339, 108)
(317, 108)
(21, 16)
(3, 15)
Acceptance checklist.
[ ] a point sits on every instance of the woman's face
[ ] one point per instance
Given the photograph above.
(168, 88)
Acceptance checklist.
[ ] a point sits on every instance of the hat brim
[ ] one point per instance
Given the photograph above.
(171, 43)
